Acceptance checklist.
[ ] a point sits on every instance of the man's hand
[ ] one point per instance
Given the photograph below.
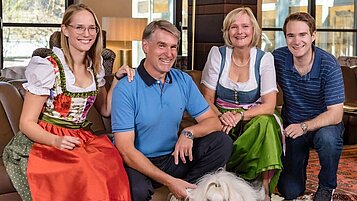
(293, 131)
(183, 148)
(178, 188)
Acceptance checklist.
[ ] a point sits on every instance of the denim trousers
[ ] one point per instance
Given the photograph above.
(328, 142)
(209, 153)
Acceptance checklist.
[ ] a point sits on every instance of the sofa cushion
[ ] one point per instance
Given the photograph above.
(10, 197)
(10, 110)
(5, 184)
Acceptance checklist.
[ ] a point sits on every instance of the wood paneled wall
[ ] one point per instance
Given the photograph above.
(209, 16)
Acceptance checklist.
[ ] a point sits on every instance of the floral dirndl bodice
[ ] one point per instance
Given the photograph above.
(69, 108)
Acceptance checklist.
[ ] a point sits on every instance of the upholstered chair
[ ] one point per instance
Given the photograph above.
(347, 60)
(350, 106)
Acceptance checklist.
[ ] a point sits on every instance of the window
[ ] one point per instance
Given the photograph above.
(335, 20)
(152, 10)
(175, 11)
(27, 25)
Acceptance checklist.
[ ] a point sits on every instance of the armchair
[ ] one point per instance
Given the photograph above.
(350, 106)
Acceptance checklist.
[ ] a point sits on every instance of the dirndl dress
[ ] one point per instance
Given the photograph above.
(92, 171)
(257, 145)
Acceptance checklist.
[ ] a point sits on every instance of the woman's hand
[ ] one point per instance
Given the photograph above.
(226, 129)
(229, 119)
(66, 142)
(125, 70)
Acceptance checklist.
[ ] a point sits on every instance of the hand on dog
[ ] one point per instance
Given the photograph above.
(179, 187)
(183, 148)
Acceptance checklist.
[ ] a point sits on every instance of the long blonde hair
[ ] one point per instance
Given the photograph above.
(95, 51)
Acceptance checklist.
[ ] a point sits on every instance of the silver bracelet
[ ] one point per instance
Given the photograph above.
(241, 115)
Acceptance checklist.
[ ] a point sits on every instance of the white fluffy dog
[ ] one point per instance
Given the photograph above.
(223, 186)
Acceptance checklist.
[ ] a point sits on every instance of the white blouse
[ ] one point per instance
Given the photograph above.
(40, 75)
(212, 67)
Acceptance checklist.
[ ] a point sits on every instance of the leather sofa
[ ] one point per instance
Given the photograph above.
(350, 106)
(349, 72)
(10, 110)
(11, 99)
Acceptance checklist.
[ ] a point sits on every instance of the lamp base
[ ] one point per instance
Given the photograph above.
(124, 57)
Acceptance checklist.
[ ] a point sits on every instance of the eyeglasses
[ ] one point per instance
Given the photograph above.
(92, 30)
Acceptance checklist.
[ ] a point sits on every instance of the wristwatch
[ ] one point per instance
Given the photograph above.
(304, 127)
(187, 134)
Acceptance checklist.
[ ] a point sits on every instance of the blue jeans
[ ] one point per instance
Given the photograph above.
(209, 153)
(328, 142)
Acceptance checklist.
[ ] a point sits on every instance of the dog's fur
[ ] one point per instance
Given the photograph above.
(223, 186)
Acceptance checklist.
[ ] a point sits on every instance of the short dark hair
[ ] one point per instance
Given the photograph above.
(303, 17)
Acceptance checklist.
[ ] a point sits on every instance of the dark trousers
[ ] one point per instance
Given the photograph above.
(209, 153)
(328, 142)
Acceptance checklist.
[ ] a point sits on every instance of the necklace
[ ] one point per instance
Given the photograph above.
(240, 65)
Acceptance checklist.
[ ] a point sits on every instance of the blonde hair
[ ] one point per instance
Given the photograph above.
(95, 51)
(228, 20)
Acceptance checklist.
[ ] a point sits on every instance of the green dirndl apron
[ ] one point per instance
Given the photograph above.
(15, 157)
(257, 148)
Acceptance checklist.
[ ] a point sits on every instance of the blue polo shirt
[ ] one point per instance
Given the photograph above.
(305, 97)
(154, 110)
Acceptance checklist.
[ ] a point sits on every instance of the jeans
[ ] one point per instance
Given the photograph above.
(209, 153)
(328, 142)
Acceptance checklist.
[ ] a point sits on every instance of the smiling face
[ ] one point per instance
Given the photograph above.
(161, 52)
(299, 39)
(241, 31)
(77, 39)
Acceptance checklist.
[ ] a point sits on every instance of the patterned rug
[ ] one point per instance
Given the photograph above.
(346, 176)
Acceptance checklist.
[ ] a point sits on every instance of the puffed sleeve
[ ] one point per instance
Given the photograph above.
(212, 67)
(40, 76)
(101, 74)
(267, 73)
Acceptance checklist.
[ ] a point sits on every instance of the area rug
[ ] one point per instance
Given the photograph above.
(346, 175)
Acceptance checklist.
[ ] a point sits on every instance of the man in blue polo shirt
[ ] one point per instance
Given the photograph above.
(146, 115)
(313, 91)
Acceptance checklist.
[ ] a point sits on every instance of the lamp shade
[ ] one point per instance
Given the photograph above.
(123, 29)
